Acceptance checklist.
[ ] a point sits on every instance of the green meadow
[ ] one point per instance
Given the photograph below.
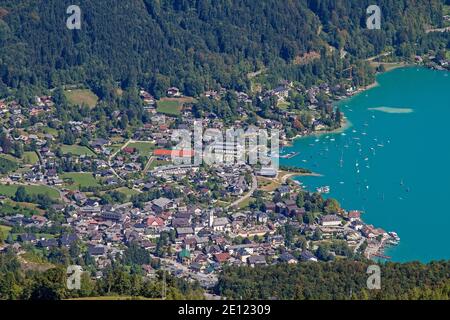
(79, 97)
(10, 190)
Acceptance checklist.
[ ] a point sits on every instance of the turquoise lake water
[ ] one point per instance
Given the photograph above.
(393, 166)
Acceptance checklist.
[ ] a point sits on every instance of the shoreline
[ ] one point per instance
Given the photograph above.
(371, 252)
(346, 123)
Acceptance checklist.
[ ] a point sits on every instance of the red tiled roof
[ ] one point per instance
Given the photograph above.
(155, 221)
(354, 214)
(129, 150)
(222, 257)
(176, 153)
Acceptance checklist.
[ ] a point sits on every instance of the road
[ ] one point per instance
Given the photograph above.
(379, 56)
(112, 156)
(147, 166)
(439, 30)
(248, 195)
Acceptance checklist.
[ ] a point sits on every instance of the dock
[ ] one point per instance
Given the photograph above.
(382, 256)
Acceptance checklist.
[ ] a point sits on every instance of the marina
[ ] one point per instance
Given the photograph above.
(374, 167)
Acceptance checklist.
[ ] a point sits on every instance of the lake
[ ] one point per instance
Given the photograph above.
(393, 162)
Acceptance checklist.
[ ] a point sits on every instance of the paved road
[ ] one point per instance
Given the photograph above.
(112, 156)
(248, 195)
(379, 56)
(439, 30)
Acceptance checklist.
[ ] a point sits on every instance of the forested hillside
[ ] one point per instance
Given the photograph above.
(197, 44)
(337, 280)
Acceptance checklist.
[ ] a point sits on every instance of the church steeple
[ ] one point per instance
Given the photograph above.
(211, 218)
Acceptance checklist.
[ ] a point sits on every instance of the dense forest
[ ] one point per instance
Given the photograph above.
(342, 280)
(124, 278)
(200, 44)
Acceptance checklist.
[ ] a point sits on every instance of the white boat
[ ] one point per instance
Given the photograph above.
(395, 236)
(325, 189)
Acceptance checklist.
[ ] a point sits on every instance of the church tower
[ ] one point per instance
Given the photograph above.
(211, 218)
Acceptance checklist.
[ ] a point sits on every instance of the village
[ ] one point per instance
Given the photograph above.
(104, 194)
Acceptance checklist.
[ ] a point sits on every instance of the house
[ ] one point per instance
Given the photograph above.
(111, 215)
(288, 258)
(173, 92)
(222, 257)
(308, 256)
(27, 237)
(79, 197)
(161, 204)
(220, 224)
(155, 222)
(96, 250)
(262, 217)
(129, 150)
(184, 256)
(269, 206)
(281, 92)
(183, 232)
(99, 143)
(330, 220)
(354, 215)
(267, 172)
(66, 239)
(254, 261)
(283, 190)
(47, 243)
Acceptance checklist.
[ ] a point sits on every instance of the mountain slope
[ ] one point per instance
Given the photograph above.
(193, 44)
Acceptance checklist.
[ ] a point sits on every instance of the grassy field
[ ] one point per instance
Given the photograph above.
(4, 231)
(126, 191)
(10, 191)
(11, 207)
(77, 150)
(143, 148)
(84, 179)
(30, 157)
(158, 163)
(246, 203)
(114, 147)
(51, 131)
(283, 105)
(81, 96)
(9, 157)
(169, 107)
